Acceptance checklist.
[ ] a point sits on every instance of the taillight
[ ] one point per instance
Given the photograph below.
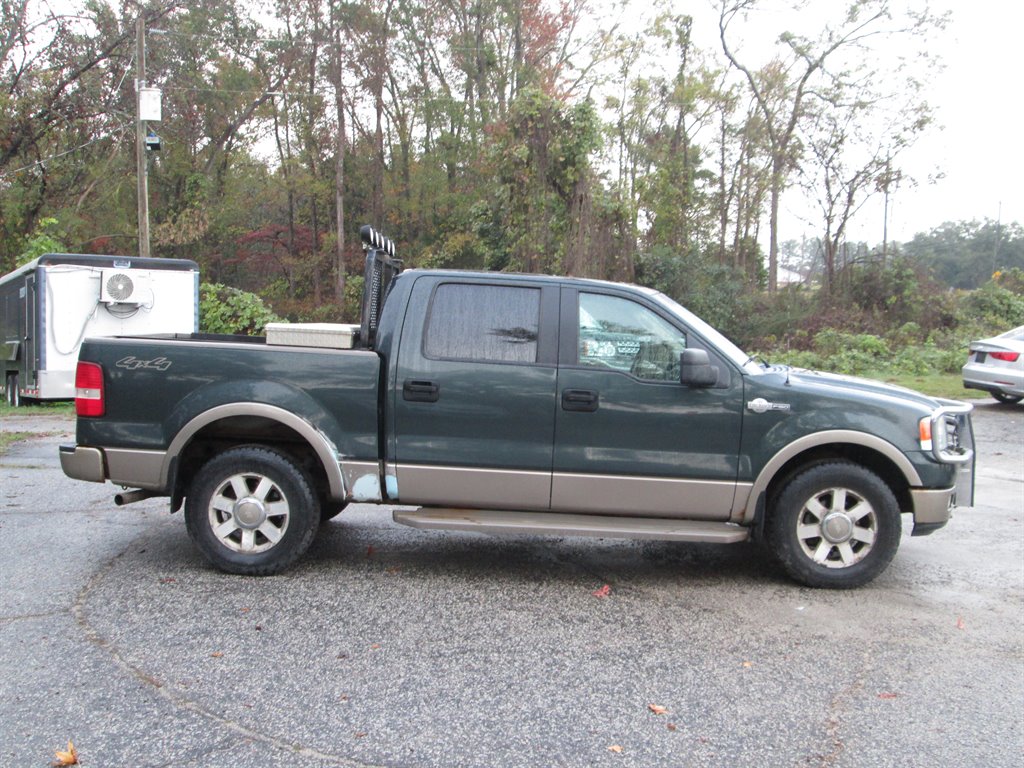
(1006, 357)
(89, 390)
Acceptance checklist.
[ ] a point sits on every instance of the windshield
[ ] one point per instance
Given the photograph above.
(714, 337)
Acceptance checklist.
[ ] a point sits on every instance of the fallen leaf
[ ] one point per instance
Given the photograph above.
(671, 726)
(375, 647)
(603, 591)
(615, 748)
(259, 628)
(657, 709)
(888, 695)
(246, 610)
(216, 654)
(960, 623)
(66, 758)
(360, 734)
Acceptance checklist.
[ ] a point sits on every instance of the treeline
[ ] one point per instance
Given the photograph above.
(531, 135)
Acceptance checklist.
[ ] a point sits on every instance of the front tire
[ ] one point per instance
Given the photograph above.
(251, 510)
(834, 525)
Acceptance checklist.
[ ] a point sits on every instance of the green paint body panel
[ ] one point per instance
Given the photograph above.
(146, 407)
(502, 416)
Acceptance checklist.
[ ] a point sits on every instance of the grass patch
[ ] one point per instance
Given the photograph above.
(63, 408)
(9, 438)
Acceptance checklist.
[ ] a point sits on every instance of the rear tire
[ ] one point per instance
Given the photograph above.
(251, 510)
(1006, 399)
(11, 392)
(834, 525)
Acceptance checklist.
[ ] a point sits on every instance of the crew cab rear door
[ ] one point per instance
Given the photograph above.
(630, 439)
(474, 396)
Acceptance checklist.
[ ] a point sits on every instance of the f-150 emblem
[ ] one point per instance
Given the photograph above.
(760, 405)
(134, 364)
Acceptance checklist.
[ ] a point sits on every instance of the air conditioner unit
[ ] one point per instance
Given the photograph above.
(119, 286)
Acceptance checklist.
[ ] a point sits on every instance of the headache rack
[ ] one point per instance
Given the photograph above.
(381, 269)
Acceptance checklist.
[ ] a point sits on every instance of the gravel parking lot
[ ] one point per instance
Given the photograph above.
(388, 646)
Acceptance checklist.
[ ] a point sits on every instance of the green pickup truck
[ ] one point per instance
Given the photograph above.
(505, 403)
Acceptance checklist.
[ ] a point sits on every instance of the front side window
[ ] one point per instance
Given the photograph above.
(488, 323)
(625, 336)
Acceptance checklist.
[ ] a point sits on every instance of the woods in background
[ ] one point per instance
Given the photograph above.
(554, 136)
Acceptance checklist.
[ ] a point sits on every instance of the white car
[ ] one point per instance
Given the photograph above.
(996, 366)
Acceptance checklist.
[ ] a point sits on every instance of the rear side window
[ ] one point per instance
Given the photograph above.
(493, 323)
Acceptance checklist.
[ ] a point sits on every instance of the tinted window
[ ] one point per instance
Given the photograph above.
(625, 336)
(484, 322)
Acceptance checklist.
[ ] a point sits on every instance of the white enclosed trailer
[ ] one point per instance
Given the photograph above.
(48, 306)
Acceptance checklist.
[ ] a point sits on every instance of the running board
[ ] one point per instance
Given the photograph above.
(549, 523)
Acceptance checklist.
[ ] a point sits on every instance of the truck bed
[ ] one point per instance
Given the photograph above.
(155, 385)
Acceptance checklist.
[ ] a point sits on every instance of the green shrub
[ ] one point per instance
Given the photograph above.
(223, 309)
(995, 307)
(42, 240)
(1011, 279)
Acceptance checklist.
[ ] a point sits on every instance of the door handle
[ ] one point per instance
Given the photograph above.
(583, 400)
(419, 391)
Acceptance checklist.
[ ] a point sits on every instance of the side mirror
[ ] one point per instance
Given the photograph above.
(695, 369)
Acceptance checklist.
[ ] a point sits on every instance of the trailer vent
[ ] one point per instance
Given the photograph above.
(117, 288)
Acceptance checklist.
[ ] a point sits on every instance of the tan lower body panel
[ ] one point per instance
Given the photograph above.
(565, 492)
(550, 523)
(466, 487)
(645, 496)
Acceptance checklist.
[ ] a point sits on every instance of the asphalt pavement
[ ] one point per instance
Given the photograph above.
(388, 646)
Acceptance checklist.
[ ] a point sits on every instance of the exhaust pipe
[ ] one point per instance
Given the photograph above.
(130, 497)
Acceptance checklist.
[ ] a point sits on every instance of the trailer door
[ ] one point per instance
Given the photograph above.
(30, 343)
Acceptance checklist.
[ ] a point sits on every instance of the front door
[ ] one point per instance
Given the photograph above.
(474, 399)
(630, 439)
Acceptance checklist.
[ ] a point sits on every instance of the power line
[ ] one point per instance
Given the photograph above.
(294, 41)
(300, 95)
(120, 129)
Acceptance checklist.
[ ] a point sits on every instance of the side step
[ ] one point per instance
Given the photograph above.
(549, 523)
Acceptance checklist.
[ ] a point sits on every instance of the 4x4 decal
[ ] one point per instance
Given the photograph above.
(134, 364)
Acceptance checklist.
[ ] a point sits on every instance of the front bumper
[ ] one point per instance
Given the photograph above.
(83, 463)
(932, 509)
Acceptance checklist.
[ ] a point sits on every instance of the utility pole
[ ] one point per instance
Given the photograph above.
(140, 136)
(995, 248)
(886, 181)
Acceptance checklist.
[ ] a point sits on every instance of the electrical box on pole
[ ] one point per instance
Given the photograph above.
(150, 105)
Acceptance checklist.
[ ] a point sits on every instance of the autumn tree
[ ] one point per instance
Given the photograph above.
(834, 59)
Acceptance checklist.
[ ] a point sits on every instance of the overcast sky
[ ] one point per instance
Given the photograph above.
(976, 142)
(978, 99)
(969, 164)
